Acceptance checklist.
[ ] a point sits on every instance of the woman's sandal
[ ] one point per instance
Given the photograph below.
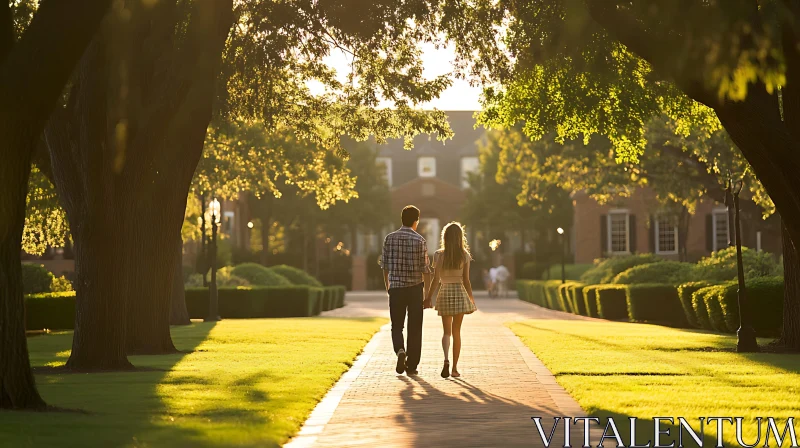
(446, 369)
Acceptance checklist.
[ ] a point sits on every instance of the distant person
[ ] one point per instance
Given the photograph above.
(487, 280)
(406, 271)
(501, 278)
(493, 282)
(454, 299)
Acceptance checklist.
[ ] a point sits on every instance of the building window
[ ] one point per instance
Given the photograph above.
(227, 222)
(666, 235)
(385, 163)
(468, 165)
(426, 167)
(618, 231)
(720, 229)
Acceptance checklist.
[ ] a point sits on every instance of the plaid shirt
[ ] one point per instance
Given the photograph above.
(405, 256)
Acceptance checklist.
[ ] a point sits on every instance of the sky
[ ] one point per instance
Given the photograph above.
(459, 96)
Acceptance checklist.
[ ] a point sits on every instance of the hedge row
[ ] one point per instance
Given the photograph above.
(716, 306)
(56, 311)
(695, 304)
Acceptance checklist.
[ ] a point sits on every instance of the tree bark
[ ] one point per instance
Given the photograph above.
(33, 72)
(178, 314)
(134, 154)
(790, 336)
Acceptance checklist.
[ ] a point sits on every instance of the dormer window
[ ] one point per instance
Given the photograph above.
(426, 167)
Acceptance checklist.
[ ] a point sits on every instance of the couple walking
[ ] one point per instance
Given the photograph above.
(413, 285)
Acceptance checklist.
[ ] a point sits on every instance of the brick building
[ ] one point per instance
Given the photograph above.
(639, 224)
(431, 176)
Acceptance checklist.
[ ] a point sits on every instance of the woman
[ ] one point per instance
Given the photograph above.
(454, 299)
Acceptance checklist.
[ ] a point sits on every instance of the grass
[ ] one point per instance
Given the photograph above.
(241, 383)
(637, 370)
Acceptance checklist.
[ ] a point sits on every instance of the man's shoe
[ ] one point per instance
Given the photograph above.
(401, 362)
(411, 371)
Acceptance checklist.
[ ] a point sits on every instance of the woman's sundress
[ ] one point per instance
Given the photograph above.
(452, 298)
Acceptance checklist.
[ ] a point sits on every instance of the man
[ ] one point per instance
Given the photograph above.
(406, 274)
(493, 282)
(501, 277)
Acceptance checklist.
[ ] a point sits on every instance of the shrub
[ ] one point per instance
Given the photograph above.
(766, 303)
(51, 311)
(576, 298)
(531, 291)
(295, 276)
(590, 299)
(255, 302)
(699, 306)
(552, 296)
(665, 272)
(194, 281)
(571, 271)
(564, 302)
(604, 271)
(720, 266)
(656, 303)
(35, 279)
(60, 284)
(532, 270)
(612, 303)
(258, 275)
(765, 295)
(685, 292)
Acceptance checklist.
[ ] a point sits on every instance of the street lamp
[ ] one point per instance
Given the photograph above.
(203, 239)
(746, 334)
(213, 297)
(563, 255)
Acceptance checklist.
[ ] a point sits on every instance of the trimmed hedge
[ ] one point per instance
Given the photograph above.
(564, 301)
(699, 307)
(576, 298)
(50, 311)
(662, 272)
(258, 275)
(252, 302)
(590, 299)
(552, 296)
(657, 303)
(685, 292)
(765, 295)
(612, 302)
(295, 276)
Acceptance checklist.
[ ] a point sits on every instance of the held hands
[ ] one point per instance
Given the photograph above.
(426, 303)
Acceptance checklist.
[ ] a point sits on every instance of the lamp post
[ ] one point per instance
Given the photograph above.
(213, 297)
(203, 239)
(563, 254)
(747, 336)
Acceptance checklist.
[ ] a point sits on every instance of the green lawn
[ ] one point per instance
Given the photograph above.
(241, 383)
(637, 370)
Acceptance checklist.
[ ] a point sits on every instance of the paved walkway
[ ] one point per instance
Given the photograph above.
(502, 386)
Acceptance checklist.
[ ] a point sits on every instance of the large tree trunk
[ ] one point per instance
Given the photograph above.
(33, 72)
(178, 314)
(791, 294)
(134, 155)
(17, 386)
(151, 282)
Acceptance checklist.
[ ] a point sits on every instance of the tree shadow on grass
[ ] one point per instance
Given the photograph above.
(120, 408)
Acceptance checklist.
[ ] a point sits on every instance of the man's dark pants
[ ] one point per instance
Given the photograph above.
(402, 300)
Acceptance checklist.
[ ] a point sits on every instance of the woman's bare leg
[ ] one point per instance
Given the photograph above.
(447, 326)
(456, 343)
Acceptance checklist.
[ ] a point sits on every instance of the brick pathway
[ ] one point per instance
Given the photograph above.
(502, 386)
